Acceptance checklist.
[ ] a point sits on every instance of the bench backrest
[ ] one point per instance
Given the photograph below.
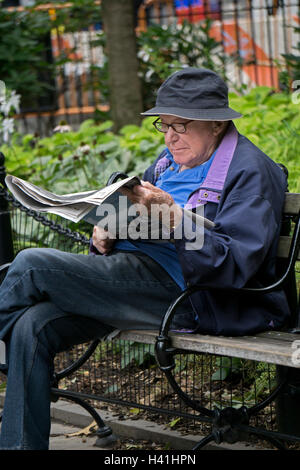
(290, 211)
(290, 215)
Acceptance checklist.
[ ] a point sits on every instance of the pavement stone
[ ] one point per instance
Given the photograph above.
(70, 418)
(59, 439)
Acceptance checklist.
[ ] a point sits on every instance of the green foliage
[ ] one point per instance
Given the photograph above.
(166, 49)
(25, 57)
(9, 105)
(22, 58)
(139, 353)
(2, 387)
(292, 61)
(272, 122)
(163, 50)
(265, 380)
(83, 159)
(79, 14)
(173, 423)
(226, 367)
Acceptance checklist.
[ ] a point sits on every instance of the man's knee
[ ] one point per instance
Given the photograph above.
(34, 321)
(32, 258)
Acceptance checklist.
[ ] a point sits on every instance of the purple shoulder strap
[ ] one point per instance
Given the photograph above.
(212, 186)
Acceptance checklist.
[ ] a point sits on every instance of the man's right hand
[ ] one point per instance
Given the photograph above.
(102, 240)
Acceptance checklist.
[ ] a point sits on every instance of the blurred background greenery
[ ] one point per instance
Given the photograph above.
(86, 136)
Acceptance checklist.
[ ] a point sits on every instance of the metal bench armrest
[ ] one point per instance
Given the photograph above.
(292, 258)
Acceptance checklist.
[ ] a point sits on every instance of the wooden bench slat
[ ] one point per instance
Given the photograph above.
(271, 347)
(281, 335)
(284, 247)
(292, 203)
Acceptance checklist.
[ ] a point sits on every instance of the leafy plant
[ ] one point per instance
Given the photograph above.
(23, 59)
(272, 122)
(173, 423)
(2, 386)
(226, 367)
(83, 159)
(163, 50)
(9, 104)
(292, 61)
(265, 380)
(137, 352)
(77, 15)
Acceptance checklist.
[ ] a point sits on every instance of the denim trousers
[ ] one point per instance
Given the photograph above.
(51, 300)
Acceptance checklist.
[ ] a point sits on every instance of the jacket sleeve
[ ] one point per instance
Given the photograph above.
(246, 229)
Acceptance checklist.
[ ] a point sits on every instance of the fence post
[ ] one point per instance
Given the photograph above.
(6, 242)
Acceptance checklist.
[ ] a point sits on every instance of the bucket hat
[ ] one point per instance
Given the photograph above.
(194, 93)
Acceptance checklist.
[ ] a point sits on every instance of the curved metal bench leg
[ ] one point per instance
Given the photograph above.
(204, 441)
(105, 436)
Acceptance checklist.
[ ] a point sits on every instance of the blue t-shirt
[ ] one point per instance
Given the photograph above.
(180, 185)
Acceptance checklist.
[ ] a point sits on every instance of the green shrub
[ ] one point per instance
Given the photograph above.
(85, 159)
(272, 122)
(23, 59)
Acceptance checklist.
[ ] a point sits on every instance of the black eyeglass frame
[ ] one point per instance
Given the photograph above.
(172, 125)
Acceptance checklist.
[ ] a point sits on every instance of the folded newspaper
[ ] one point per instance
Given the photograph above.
(74, 206)
(83, 205)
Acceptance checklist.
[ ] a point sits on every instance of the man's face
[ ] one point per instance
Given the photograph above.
(193, 147)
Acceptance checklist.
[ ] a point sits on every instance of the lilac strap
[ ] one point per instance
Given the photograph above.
(214, 181)
(161, 166)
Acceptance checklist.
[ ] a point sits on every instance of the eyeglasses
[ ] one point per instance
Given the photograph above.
(179, 127)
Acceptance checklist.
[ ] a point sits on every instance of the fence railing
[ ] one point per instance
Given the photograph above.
(254, 33)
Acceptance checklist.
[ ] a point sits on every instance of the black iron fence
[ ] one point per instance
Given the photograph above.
(253, 34)
(256, 32)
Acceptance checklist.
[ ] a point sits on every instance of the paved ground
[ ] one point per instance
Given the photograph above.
(60, 441)
(69, 418)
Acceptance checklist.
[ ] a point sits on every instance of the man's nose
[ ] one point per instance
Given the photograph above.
(171, 136)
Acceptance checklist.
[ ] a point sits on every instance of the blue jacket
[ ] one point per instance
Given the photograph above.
(241, 249)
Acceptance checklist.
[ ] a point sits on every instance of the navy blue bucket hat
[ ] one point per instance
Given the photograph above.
(194, 93)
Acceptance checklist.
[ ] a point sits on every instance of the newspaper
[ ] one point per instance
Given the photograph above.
(73, 206)
(106, 207)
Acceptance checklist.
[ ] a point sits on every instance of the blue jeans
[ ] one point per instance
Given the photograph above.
(51, 300)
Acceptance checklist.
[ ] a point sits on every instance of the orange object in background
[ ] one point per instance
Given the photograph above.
(258, 66)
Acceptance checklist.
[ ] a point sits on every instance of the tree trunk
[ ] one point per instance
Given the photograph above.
(124, 83)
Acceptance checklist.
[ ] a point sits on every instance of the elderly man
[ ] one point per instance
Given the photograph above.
(51, 300)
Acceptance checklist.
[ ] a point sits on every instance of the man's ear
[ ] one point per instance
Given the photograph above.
(218, 127)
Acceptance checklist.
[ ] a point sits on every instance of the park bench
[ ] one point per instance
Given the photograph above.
(281, 348)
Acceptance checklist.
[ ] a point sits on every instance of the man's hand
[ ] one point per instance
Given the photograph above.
(102, 240)
(147, 194)
(154, 199)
